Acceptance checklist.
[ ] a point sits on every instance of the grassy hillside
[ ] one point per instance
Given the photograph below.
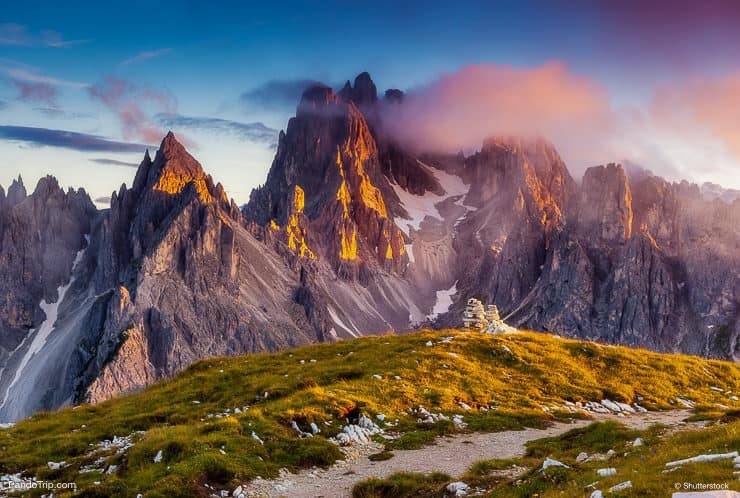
(515, 374)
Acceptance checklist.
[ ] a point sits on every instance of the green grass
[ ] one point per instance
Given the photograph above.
(379, 457)
(401, 485)
(598, 438)
(537, 370)
(642, 465)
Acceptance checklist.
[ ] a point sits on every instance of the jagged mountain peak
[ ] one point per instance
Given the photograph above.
(16, 192)
(172, 170)
(46, 186)
(175, 161)
(316, 99)
(329, 152)
(363, 93)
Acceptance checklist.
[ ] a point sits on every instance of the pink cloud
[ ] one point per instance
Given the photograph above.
(462, 109)
(35, 92)
(134, 105)
(689, 131)
(702, 106)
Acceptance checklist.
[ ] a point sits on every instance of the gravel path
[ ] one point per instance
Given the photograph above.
(452, 455)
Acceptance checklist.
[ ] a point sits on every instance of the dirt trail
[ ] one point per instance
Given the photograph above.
(452, 455)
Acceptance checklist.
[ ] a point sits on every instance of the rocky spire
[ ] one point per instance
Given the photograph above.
(16, 192)
(364, 93)
(172, 170)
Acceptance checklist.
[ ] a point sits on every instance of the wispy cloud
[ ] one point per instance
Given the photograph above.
(14, 34)
(277, 94)
(113, 162)
(68, 140)
(55, 39)
(56, 112)
(24, 72)
(105, 200)
(248, 132)
(20, 35)
(36, 92)
(130, 103)
(149, 54)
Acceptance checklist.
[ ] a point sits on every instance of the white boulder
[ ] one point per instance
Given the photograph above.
(458, 488)
(549, 462)
(703, 458)
(257, 438)
(611, 405)
(621, 486)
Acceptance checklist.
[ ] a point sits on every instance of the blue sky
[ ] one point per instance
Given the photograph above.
(225, 76)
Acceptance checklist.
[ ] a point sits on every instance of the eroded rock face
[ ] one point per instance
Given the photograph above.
(652, 264)
(605, 214)
(521, 189)
(329, 154)
(188, 280)
(40, 234)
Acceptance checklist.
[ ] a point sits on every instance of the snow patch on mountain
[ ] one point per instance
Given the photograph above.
(419, 207)
(42, 333)
(443, 301)
(338, 321)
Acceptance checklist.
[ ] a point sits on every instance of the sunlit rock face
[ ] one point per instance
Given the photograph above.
(329, 153)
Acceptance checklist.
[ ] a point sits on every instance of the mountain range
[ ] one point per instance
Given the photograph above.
(352, 233)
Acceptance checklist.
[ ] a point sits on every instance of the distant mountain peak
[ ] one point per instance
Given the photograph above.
(16, 192)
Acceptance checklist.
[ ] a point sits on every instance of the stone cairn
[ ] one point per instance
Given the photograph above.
(474, 316)
(487, 318)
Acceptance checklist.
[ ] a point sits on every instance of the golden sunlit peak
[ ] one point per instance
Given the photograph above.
(173, 183)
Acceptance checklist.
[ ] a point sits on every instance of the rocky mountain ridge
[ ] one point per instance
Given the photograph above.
(352, 233)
